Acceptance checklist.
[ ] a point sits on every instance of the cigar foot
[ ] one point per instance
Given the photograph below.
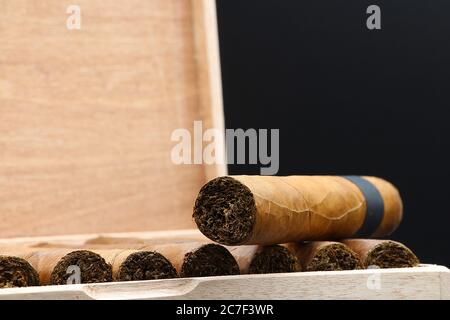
(274, 259)
(146, 265)
(221, 201)
(209, 260)
(334, 257)
(16, 272)
(93, 268)
(390, 254)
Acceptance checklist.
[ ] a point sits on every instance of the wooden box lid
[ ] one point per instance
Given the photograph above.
(86, 115)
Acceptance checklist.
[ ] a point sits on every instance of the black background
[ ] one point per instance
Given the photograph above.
(349, 100)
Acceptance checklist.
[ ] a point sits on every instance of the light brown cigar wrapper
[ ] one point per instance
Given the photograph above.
(244, 256)
(299, 208)
(393, 255)
(43, 260)
(307, 254)
(265, 259)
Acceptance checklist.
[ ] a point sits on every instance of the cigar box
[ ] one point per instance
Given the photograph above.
(90, 116)
(424, 282)
(90, 99)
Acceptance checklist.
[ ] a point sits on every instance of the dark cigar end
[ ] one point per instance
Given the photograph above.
(390, 254)
(16, 272)
(146, 265)
(334, 257)
(209, 260)
(93, 267)
(274, 259)
(225, 211)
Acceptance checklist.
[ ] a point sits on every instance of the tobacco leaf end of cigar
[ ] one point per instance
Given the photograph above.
(391, 254)
(334, 257)
(209, 260)
(16, 272)
(274, 259)
(146, 265)
(225, 211)
(93, 268)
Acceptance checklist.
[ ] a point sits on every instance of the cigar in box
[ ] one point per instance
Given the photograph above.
(192, 259)
(16, 272)
(325, 256)
(267, 210)
(265, 259)
(383, 253)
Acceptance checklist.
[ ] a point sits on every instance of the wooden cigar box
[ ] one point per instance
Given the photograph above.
(88, 112)
(424, 282)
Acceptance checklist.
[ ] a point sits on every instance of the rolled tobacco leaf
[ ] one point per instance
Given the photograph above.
(198, 259)
(16, 272)
(137, 265)
(268, 210)
(265, 259)
(383, 253)
(325, 256)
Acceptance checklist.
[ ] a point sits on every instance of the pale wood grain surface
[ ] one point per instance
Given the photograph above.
(445, 290)
(411, 283)
(74, 240)
(86, 115)
(209, 74)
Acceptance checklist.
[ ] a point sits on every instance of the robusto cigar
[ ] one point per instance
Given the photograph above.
(383, 253)
(268, 210)
(265, 259)
(16, 272)
(325, 256)
(137, 265)
(198, 259)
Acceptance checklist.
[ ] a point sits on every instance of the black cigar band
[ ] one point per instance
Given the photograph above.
(374, 205)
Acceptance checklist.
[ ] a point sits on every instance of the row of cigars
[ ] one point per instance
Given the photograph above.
(252, 224)
(113, 259)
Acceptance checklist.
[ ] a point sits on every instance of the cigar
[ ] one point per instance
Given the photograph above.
(135, 265)
(265, 259)
(198, 259)
(325, 256)
(266, 210)
(58, 266)
(383, 253)
(16, 272)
